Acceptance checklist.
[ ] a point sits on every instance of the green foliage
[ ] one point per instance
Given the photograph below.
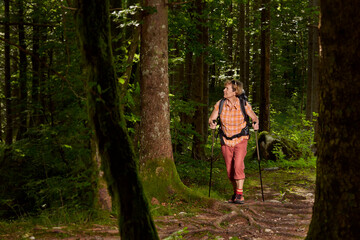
(293, 126)
(131, 102)
(56, 171)
(181, 129)
(177, 235)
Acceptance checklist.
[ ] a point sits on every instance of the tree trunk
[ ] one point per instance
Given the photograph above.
(265, 68)
(185, 118)
(108, 123)
(205, 77)
(312, 93)
(22, 121)
(35, 87)
(247, 48)
(229, 30)
(156, 157)
(197, 89)
(42, 79)
(241, 42)
(7, 90)
(336, 212)
(256, 69)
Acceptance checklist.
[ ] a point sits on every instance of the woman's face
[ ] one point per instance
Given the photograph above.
(228, 91)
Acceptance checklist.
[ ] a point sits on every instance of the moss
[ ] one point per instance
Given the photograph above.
(161, 181)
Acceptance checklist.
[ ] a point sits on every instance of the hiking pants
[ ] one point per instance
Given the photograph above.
(234, 160)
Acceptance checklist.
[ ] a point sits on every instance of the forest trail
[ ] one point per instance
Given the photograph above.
(285, 215)
(283, 219)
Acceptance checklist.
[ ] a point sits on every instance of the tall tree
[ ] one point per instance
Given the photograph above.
(247, 47)
(265, 67)
(205, 41)
(197, 86)
(229, 41)
(156, 157)
(241, 42)
(22, 72)
(108, 123)
(7, 90)
(312, 93)
(336, 212)
(35, 86)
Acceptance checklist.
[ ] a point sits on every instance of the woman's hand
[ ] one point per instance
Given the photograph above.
(212, 124)
(255, 125)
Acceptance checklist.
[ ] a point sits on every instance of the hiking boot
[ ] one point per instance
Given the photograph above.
(239, 199)
(232, 198)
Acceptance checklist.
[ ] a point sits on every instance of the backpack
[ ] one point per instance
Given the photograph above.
(246, 130)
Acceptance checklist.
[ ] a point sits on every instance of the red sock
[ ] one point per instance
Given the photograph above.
(239, 191)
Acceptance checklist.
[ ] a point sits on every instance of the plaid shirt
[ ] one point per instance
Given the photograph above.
(232, 120)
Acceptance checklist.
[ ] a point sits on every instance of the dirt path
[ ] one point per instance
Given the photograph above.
(255, 220)
(285, 215)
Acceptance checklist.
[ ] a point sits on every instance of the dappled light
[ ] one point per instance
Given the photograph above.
(209, 120)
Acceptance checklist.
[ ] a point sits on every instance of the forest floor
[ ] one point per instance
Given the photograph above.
(285, 214)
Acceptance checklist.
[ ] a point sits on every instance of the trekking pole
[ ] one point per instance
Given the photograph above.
(212, 157)
(258, 155)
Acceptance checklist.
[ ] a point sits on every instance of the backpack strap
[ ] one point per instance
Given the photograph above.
(243, 103)
(245, 131)
(221, 105)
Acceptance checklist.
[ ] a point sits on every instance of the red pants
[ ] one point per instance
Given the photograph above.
(234, 160)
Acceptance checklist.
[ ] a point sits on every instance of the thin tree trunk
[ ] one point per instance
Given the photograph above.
(247, 48)
(7, 90)
(241, 41)
(197, 90)
(312, 91)
(35, 87)
(42, 79)
(313, 65)
(22, 121)
(256, 70)
(336, 212)
(108, 123)
(205, 77)
(265, 67)
(229, 46)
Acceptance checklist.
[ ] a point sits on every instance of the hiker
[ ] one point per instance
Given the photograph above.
(234, 133)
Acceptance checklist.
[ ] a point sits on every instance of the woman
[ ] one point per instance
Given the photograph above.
(234, 144)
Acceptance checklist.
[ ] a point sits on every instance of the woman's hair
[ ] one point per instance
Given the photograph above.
(237, 86)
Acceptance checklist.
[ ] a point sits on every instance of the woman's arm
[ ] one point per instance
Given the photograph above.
(253, 117)
(214, 116)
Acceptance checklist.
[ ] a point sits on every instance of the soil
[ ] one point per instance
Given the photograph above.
(284, 215)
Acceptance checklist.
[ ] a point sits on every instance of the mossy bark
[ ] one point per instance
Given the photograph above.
(336, 213)
(106, 118)
(156, 157)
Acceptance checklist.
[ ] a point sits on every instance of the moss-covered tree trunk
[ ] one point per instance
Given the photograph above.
(156, 156)
(106, 118)
(336, 213)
